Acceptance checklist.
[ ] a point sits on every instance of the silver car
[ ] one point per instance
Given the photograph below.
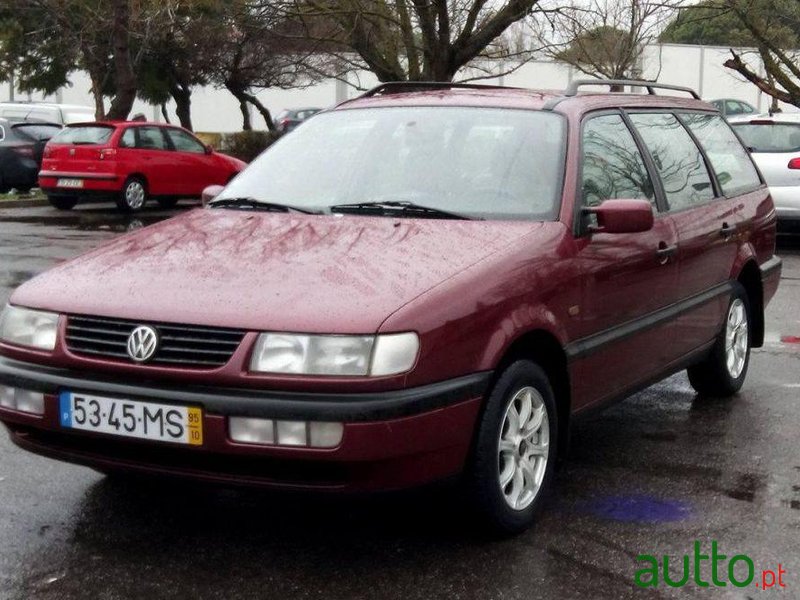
(774, 142)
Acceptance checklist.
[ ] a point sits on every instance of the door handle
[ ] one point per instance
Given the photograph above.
(727, 230)
(664, 252)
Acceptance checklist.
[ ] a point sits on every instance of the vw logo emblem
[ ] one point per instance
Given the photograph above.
(142, 343)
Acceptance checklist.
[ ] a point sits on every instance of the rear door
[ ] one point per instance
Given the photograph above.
(628, 280)
(195, 168)
(152, 158)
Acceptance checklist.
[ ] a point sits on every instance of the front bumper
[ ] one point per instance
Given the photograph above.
(391, 440)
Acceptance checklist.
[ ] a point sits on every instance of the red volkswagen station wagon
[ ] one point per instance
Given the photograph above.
(130, 162)
(429, 281)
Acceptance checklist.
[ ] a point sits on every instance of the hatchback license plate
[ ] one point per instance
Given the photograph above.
(129, 418)
(70, 183)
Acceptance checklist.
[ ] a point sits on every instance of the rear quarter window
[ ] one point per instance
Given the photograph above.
(729, 159)
(84, 135)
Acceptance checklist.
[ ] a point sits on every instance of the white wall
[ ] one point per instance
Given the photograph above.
(217, 110)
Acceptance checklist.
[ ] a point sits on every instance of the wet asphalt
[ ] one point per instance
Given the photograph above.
(651, 475)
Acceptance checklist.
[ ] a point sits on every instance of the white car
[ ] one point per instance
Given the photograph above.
(774, 142)
(50, 112)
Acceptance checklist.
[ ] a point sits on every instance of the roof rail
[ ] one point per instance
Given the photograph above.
(651, 86)
(400, 87)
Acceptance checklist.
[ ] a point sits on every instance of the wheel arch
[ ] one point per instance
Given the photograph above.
(545, 349)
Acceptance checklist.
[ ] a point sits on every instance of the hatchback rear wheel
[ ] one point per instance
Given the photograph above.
(722, 372)
(515, 450)
(133, 196)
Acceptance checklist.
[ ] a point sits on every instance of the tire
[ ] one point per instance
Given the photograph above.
(722, 373)
(506, 487)
(63, 202)
(167, 203)
(133, 196)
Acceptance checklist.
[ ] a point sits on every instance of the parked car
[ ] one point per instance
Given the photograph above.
(21, 146)
(49, 112)
(428, 281)
(289, 119)
(733, 109)
(130, 162)
(775, 146)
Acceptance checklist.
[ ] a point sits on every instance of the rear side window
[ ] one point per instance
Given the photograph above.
(678, 160)
(731, 162)
(86, 134)
(151, 138)
(612, 166)
(770, 137)
(128, 139)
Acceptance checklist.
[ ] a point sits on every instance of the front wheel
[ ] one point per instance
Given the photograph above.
(133, 196)
(722, 372)
(515, 450)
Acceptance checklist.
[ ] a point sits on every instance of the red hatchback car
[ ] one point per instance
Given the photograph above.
(131, 162)
(429, 281)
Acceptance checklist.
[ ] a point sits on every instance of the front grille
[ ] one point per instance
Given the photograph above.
(184, 345)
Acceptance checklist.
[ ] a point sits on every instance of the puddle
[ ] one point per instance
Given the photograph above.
(637, 509)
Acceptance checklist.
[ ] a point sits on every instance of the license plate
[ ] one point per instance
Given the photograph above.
(70, 183)
(130, 418)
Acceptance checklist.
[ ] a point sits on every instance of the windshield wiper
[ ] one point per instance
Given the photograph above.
(250, 203)
(392, 207)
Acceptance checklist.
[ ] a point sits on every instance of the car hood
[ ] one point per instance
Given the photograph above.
(268, 271)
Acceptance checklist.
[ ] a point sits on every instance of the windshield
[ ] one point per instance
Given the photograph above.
(37, 132)
(478, 162)
(770, 137)
(88, 134)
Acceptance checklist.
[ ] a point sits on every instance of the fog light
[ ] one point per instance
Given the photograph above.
(21, 400)
(30, 402)
(251, 431)
(7, 396)
(292, 433)
(325, 435)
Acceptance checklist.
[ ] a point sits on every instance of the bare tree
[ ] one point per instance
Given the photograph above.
(774, 30)
(418, 40)
(602, 38)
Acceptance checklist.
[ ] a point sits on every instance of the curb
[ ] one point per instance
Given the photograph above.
(24, 203)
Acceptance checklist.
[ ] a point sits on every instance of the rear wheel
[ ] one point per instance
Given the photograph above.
(133, 196)
(722, 372)
(63, 202)
(515, 450)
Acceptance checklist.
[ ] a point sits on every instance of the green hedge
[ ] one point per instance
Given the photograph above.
(246, 145)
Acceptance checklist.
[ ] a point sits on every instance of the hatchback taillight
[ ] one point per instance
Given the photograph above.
(794, 163)
(106, 153)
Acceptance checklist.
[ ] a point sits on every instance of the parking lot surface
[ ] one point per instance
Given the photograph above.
(651, 475)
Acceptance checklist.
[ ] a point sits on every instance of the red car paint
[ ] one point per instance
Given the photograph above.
(472, 290)
(103, 168)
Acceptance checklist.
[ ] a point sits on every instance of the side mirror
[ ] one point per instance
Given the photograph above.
(210, 192)
(209, 149)
(622, 216)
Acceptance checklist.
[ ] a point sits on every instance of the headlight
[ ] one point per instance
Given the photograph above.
(26, 327)
(356, 355)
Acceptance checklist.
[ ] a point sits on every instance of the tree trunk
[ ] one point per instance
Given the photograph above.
(263, 111)
(164, 112)
(124, 78)
(238, 93)
(183, 104)
(97, 94)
